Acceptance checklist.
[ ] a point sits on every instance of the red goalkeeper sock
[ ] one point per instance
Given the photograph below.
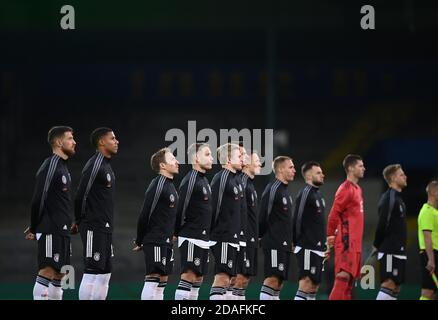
(340, 288)
(349, 292)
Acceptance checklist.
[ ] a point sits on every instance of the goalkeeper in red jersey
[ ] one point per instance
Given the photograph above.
(345, 229)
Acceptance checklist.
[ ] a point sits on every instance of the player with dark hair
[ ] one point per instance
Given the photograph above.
(94, 213)
(275, 223)
(193, 222)
(225, 226)
(309, 232)
(156, 224)
(345, 229)
(50, 222)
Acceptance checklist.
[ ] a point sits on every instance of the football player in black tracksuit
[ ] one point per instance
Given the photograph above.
(275, 223)
(193, 221)
(309, 232)
(94, 211)
(391, 234)
(156, 225)
(225, 226)
(50, 222)
(247, 255)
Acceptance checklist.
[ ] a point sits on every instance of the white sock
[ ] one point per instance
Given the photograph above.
(311, 296)
(41, 288)
(238, 294)
(217, 293)
(267, 293)
(301, 295)
(386, 294)
(194, 292)
(86, 287)
(159, 291)
(183, 290)
(150, 285)
(101, 286)
(229, 294)
(55, 290)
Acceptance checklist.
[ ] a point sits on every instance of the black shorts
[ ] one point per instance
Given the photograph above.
(53, 251)
(276, 263)
(250, 266)
(241, 261)
(158, 259)
(193, 258)
(251, 261)
(392, 268)
(309, 265)
(225, 257)
(426, 278)
(98, 251)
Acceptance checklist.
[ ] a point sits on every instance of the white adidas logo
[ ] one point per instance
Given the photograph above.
(285, 243)
(107, 225)
(204, 232)
(65, 227)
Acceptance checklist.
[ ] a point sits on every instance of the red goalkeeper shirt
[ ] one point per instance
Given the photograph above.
(346, 216)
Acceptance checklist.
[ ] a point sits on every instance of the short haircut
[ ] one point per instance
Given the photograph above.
(159, 157)
(307, 166)
(56, 133)
(97, 134)
(278, 161)
(432, 187)
(350, 160)
(224, 152)
(389, 171)
(193, 149)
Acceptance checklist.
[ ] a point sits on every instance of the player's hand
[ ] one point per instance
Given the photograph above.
(74, 228)
(430, 266)
(29, 235)
(137, 248)
(330, 242)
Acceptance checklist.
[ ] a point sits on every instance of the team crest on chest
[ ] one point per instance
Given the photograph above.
(64, 179)
(401, 208)
(56, 257)
(317, 203)
(204, 191)
(172, 200)
(235, 190)
(284, 201)
(108, 177)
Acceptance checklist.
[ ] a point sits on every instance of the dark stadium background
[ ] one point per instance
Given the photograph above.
(305, 69)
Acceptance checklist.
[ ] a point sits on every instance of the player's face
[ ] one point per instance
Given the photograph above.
(256, 164)
(236, 159)
(359, 169)
(205, 158)
(171, 165)
(400, 178)
(110, 143)
(317, 176)
(68, 144)
(288, 170)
